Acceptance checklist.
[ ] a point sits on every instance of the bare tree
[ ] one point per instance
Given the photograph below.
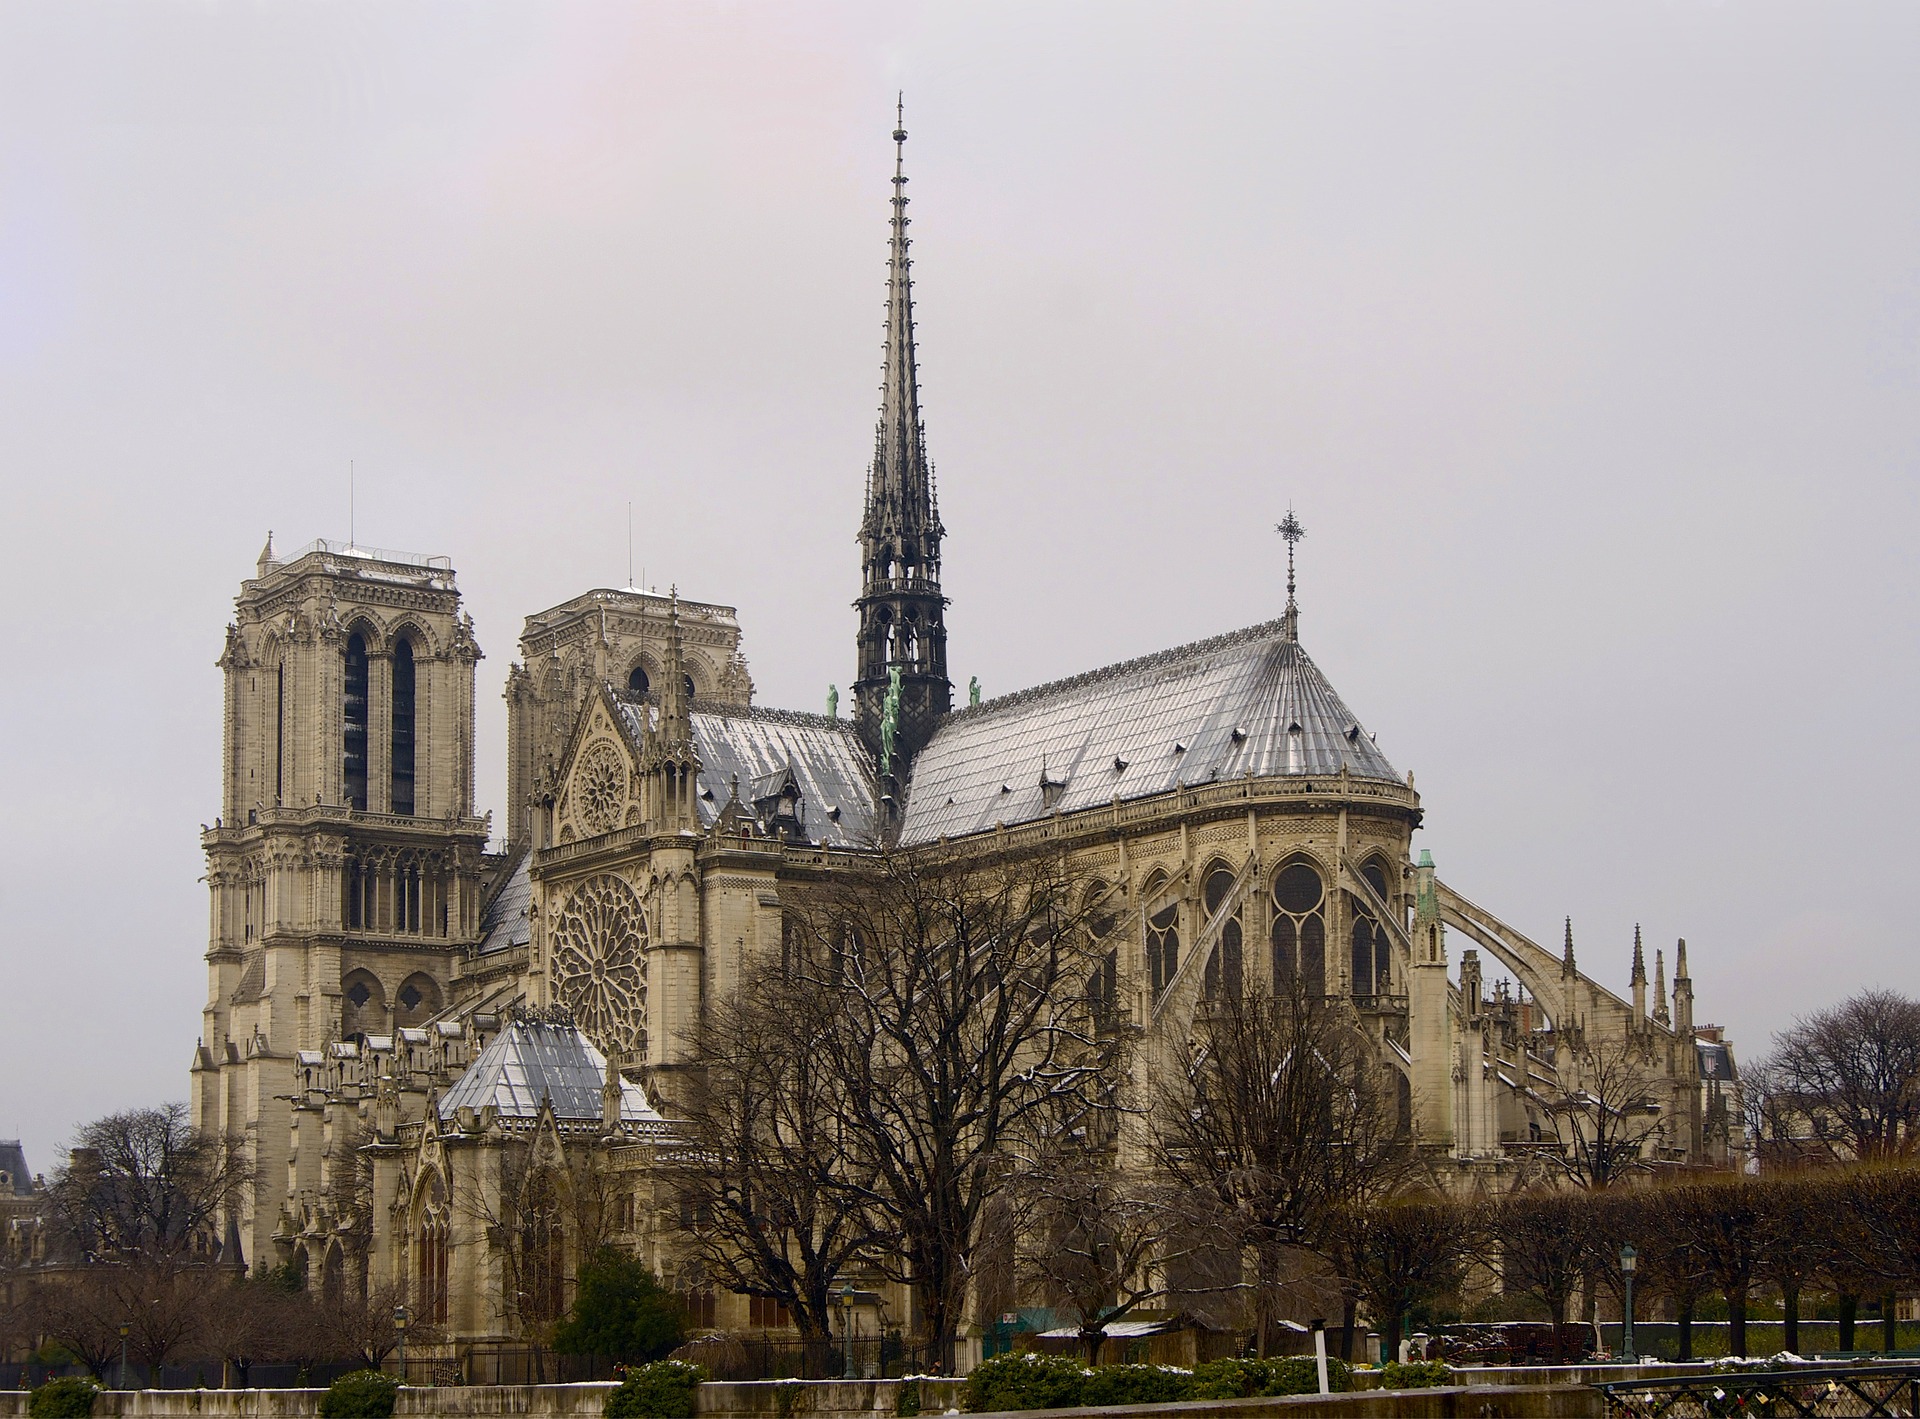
(1542, 1246)
(1100, 1242)
(81, 1312)
(1791, 1244)
(1846, 1081)
(1672, 1262)
(549, 1202)
(1402, 1253)
(779, 1203)
(1282, 1117)
(145, 1185)
(1605, 1118)
(958, 1026)
(1724, 1219)
(362, 1326)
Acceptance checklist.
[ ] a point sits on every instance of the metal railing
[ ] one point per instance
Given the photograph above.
(1862, 1390)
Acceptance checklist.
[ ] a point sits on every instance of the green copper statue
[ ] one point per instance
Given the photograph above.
(833, 702)
(973, 689)
(889, 719)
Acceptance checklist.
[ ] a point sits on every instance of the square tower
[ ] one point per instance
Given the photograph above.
(347, 865)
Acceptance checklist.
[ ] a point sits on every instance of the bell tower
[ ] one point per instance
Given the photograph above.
(347, 865)
(901, 691)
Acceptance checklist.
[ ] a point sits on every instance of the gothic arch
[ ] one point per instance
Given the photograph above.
(411, 628)
(641, 675)
(363, 1004)
(1161, 932)
(1226, 969)
(417, 1000)
(1299, 893)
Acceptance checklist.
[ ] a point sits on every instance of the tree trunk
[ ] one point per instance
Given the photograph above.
(1737, 1321)
(817, 1349)
(1092, 1340)
(1849, 1312)
(1396, 1322)
(1790, 1315)
(1347, 1317)
(1889, 1322)
(936, 1326)
(1683, 1313)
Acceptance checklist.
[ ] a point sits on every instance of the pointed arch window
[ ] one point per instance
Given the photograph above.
(1163, 946)
(1225, 966)
(1371, 956)
(279, 733)
(403, 721)
(354, 738)
(1103, 982)
(1299, 936)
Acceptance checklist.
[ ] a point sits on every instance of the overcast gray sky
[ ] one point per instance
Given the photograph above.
(1585, 339)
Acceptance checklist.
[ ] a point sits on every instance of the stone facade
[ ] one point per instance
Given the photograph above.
(373, 969)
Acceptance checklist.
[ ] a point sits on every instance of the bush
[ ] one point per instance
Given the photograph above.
(620, 1310)
(1135, 1384)
(364, 1394)
(1023, 1382)
(63, 1399)
(906, 1400)
(1415, 1374)
(661, 1390)
(1289, 1374)
(1042, 1382)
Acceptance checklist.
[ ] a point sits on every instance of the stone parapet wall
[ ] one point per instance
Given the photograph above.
(777, 1399)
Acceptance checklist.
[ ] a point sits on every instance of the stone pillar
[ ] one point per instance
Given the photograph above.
(1429, 1023)
(380, 731)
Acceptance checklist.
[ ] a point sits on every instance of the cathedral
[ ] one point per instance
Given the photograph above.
(445, 1059)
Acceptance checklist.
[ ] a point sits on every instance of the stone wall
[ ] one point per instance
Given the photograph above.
(815, 1399)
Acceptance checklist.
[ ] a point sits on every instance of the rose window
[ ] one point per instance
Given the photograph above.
(600, 788)
(599, 962)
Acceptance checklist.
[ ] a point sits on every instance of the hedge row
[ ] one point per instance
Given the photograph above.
(1049, 1382)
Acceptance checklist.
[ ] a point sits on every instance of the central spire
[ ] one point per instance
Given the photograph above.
(903, 636)
(900, 494)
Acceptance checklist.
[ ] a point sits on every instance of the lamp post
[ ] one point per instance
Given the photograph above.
(1628, 1259)
(401, 1317)
(124, 1328)
(846, 1327)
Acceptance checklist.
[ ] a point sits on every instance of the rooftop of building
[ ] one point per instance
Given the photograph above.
(542, 1058)
(1249, 702)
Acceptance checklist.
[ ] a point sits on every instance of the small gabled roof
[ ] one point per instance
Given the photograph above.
(505, 922)
(1248, 702)
(538, 1058)
(825, 759)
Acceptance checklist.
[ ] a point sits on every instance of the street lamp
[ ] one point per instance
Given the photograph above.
(123, 1354)
(401, 1317)
(1628, 1259)
(846, 1327)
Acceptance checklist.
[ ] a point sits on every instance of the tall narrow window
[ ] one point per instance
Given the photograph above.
(1163, 946)
(1224, 966)
(403, 727)
(279, 733)
(356, 723)
(1299, 929)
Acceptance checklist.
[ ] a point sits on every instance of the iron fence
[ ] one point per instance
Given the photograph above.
(1844, 1393)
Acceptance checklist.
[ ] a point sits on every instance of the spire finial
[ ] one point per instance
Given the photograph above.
(1290, 528)
(1566, 959)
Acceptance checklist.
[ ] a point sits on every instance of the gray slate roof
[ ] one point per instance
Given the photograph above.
(830, 765)
(1251, 701)
(505, 923)
(532, 1059)
(13, 1162)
